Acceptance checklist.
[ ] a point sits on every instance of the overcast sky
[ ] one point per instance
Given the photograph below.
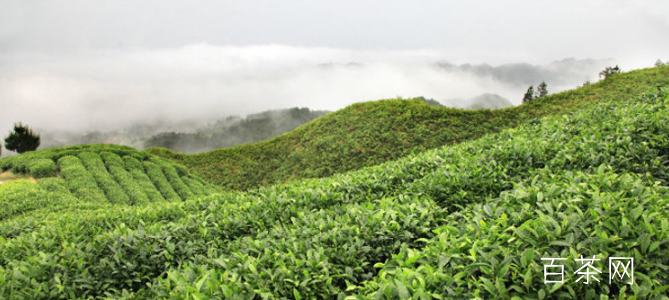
(99, 64)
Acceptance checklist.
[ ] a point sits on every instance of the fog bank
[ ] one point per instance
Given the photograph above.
(105, 89)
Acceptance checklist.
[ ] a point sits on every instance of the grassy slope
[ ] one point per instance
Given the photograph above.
(370, 133)
(471, 220)
(95, 173)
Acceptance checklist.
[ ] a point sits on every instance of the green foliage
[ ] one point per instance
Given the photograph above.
(56, 185)
(173, 178)
(107, 173)
(22, 139)
(500, 242)
(79, 180)
(132, 188)
(105, 181)
(155, 172)
(15, 194)
(41, 168)
(465, 221)
(22, 196)
(136, 169)
(370, 133)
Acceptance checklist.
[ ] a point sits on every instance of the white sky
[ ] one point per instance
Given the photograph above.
(97, 64)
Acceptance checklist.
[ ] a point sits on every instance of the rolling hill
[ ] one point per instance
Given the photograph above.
(369, 133)
(463, 221)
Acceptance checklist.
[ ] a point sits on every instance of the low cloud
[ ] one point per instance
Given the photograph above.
(101, 90)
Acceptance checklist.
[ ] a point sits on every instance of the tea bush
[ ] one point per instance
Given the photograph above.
(80, 182)
(42, 168)
(155, 172)
(105, 181)
(116, 167)
(136, 169)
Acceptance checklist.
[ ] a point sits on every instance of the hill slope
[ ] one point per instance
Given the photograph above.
(466, 221)
(366, 134)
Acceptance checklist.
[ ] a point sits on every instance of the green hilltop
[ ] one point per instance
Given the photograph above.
(468, 220)
(369, 133)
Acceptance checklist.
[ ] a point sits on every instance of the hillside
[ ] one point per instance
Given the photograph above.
(369, 133)
(467, 221)
(94, 174)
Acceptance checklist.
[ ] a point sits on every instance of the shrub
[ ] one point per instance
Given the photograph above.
(54, 184)
(41, 168)
(19, 196)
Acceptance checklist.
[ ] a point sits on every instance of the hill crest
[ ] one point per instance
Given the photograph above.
(369, 133)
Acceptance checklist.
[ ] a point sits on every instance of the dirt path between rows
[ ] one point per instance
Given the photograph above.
(9, 176)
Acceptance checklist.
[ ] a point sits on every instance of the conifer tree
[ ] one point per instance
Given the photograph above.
(529, 95)
(542, 90)
(22, 139)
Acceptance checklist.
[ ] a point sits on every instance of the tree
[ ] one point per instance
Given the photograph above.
(542, 90)
(529, 95)
(659, 63)
(22, 139)
(609, 71)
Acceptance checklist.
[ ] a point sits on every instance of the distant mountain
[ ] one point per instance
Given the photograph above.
(234, 131)
(558, 73)
(188, 136)
(489, 101)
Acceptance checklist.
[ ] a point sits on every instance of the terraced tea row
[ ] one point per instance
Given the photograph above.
(109, 174)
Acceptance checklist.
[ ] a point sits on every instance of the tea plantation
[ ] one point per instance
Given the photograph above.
(95, 174)
(464, 221)
(370, 133)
